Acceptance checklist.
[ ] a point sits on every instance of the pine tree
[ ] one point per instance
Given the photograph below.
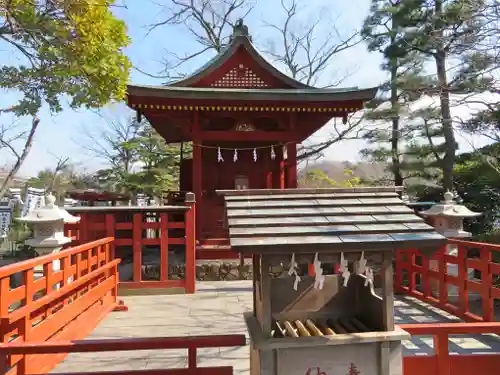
(442, 31)
(429, 35)
(405, 68)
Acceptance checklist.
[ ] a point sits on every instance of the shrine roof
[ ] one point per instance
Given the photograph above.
(324, 220)
(240, 39)
(309, 94)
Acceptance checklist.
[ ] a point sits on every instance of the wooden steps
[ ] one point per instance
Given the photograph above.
(215, 248)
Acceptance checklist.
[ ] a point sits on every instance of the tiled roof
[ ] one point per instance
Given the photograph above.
(323, 220)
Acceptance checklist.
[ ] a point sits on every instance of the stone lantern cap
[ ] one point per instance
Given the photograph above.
(49, 213)
(449, 208)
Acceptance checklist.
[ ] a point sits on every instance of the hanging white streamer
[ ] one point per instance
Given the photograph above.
(285, 153)
(273, 154)
(344, 268)
(369, 276)
(235, 156)
(220, 159)
(319, 278)
(293, 271)
(254, 154)
(361, 264)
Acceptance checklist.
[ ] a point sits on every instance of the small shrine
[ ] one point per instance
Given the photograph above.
(325, 324)
(244, 119)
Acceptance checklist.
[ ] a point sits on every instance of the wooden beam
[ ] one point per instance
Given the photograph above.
(273, 136)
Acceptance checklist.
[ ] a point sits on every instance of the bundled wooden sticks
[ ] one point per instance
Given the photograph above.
(319, 327)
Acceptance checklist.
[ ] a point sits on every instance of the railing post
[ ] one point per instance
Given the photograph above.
(190, 240)
(442, 355)
(462, 276)
(486, 284)
(110, 232)
(442, 268)
(192, 360)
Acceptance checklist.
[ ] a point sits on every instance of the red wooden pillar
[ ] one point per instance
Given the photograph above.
(190, 228)
(163, 246)
(282, 169)
(137, 246)
(291, 175)
(197, 168)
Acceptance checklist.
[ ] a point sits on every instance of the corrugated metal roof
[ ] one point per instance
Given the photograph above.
(309, 220)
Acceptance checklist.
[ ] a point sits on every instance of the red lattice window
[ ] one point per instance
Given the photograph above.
(240, 77)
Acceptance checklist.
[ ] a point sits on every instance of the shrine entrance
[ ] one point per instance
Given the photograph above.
(244, 120)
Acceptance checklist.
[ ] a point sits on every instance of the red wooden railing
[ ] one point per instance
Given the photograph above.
(62, 296)
(442, 363)
(414, 276)
(160, 228)
(108, 345)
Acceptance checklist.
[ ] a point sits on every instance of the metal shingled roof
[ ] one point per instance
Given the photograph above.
(310, 220)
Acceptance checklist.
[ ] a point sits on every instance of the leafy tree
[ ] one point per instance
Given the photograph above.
(158, 163)
(137, 157)
(441, 31)
(425, 38)
(316, 178)
(63, 178)
(70, 48)
(477, 186)
(63, 49)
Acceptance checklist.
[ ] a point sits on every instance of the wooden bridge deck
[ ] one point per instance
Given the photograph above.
(217, 308)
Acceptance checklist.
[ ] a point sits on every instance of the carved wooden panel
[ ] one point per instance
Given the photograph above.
(240, 77)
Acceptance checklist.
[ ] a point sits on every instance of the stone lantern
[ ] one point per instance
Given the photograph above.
(448, 219)
(48, 224)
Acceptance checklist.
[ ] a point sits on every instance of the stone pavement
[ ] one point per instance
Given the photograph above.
(217, 308)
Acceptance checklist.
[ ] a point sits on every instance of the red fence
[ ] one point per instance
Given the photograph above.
(60, 296)
(442, 363)
(476, 277)
(141, 231)
(108, 345)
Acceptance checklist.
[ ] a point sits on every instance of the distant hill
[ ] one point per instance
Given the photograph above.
(335, 169)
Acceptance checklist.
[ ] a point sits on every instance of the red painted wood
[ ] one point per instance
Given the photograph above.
(163, 247)
(442, 363)
(405, 262)
(137, 246)
(55, 316)
(223, 370)
(132, 344)
(190, 220)
(153, 284)
(291, 174)
(256, 136)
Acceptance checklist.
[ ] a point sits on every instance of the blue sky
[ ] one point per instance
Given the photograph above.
(63, 134)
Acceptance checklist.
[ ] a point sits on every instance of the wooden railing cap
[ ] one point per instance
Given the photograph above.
(128, 208)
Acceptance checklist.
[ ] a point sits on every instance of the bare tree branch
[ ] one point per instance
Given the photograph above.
(20, 156)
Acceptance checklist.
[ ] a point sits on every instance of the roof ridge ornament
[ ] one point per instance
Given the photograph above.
(240, 29)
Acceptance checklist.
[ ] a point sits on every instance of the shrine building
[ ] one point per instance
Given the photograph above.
(245, 119)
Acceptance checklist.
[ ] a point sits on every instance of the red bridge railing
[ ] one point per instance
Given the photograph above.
(191, 343)
(137, 230)
(442, 362)
(477, 275)
(61, 296)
